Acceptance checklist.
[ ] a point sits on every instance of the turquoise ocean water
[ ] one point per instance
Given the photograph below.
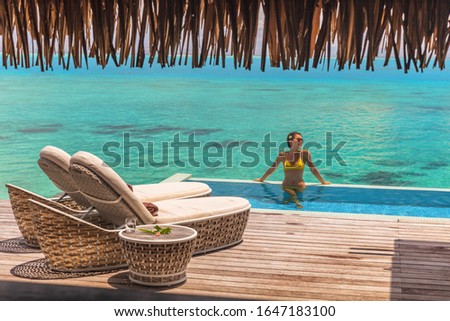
(383, 127)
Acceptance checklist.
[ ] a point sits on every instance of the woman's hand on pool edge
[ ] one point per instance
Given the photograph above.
(259, 180)
(326, 183)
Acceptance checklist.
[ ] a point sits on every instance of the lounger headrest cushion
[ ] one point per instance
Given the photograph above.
(106, 173)
(55, 163)
(57, 156)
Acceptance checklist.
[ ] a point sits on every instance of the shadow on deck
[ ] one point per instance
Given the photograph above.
(421, 268)
(25, 291)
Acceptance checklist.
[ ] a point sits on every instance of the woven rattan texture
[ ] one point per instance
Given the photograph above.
(40, 270)
(23, 214)
(158, 263)
(75, 245)
(17, 245)
(219, 231)
(63, 180)
(96, 187)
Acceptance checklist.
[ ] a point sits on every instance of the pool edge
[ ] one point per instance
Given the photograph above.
(434, 189)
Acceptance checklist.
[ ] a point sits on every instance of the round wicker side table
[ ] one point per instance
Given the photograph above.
(158, 260)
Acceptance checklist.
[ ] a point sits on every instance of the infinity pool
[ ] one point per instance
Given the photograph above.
(361, 127)
(341, 198)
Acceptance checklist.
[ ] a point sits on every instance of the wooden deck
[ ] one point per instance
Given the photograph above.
(283, 257)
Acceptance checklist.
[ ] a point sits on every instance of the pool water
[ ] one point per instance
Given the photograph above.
(340, 199)
(370, 128)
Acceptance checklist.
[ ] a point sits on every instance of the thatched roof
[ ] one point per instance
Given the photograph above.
(293, 34)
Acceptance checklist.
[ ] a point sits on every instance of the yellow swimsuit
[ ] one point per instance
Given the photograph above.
(297, 165)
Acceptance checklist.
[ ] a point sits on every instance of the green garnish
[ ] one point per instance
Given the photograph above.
(158, 230)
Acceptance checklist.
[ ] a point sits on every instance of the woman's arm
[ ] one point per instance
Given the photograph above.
(272, 168)
(313, 168)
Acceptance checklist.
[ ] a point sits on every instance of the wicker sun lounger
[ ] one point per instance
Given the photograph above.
(55, 163)
(219, 221)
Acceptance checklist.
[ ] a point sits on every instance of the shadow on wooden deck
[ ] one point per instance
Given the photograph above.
(25, 291)
(421, 268)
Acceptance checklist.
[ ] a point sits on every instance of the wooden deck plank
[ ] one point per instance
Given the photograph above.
(283, 257)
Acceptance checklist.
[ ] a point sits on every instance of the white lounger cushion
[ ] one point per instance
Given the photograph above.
(177, 211)
(56, 155)
(164, 191)
(55, 163)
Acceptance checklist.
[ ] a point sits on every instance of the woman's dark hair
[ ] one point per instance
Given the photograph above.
(290, 136)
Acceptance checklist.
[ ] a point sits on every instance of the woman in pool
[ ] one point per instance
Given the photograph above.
(294, 164)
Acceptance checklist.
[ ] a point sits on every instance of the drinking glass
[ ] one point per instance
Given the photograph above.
(130, 224)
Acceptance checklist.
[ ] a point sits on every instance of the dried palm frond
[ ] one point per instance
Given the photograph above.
(295, 34)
